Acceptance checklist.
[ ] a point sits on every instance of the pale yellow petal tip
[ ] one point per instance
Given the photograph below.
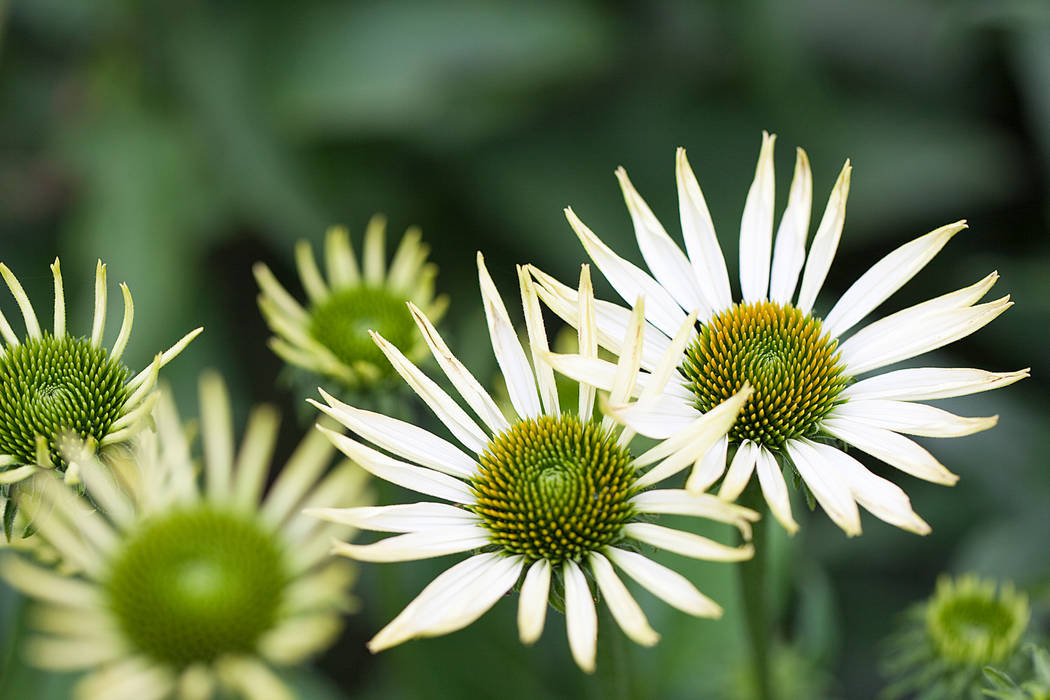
(919, 527)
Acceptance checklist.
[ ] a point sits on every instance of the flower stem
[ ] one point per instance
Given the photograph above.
(615, 672)
(753, 598)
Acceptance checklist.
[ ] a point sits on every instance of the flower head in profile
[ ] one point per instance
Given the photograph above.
(182, 589)
(55, 384)
(810, 396)
(944, 643)
(548, 499)
(330, 336)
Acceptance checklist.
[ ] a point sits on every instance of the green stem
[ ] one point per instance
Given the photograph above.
(615, 671)
(753, 598)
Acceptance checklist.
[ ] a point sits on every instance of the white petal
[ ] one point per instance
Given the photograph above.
(911, 418)
(587, 338)
(588, 370)
(927, 383)
(339, 259)
(98, 324)
(709, 468)
(24, 305)
(309, 273)
(686, 543)
(374, 257)
(756, 227)
(272, 289)
(699, 505)
(410, 476)
(217, 435)
(447, 410)
(790, 249)
(435, 542)
(453, 600)
(891, 448)
(403, 517)
(885, 277)
(521, 384)
(660, 417)
(60, 303)
(666, 584)
(401, 438)
(884, 499)
(625, 610)
(468, 387)
(125, 326)
(581, 619)
(740, 471)
(538, 344)
(629, 281)
(774, 490)
(611, 320)
(627, 366)
(700, 240)
(670, 360)
(532, 601)
(895, 339)
(665, 259)
(830, 490)
(825, 242)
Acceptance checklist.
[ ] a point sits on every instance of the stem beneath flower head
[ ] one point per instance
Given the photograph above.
(615, 676)
(753, 597)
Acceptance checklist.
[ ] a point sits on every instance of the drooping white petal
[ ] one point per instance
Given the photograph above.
(885, 277)
(625, 610)
(668, 264)
(774, 489)
(402, 517)
(453, 600)
(825, 242)
(659, 417)
(756, 226)
(740, 471)
(410, 476)
(709, 468)
(700, 240)
(629, 281)
(895, 339)
(403, 439)
(826, 485)
(530, 304)
(533, 601)
(884, 499)
(581, 618)
(789, 251)
(521, 384)
(447, 410)
(894, 449)
(927, 383)
(425, 544)
(911, 418)
(700, 505)
(666, 584)
(689, 445)
(686, 543)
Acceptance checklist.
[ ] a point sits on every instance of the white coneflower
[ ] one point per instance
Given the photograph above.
(554, 501)
(55, 383)
(806, 392)
(188, 590)
(330, 336)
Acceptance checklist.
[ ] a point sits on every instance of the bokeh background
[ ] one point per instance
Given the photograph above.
(182, 142)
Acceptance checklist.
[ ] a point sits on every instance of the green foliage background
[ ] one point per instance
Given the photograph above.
(181, 142)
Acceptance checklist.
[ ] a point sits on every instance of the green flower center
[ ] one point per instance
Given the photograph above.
(342, 321)
(195, 584)
(554, 488)
(49, 386)
(785, 355)
(969, 623)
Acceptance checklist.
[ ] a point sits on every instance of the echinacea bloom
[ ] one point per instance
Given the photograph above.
(944, 643)
(805, 368)
(330, 335)
(55, 384)
(187, 590)
(540, 497)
